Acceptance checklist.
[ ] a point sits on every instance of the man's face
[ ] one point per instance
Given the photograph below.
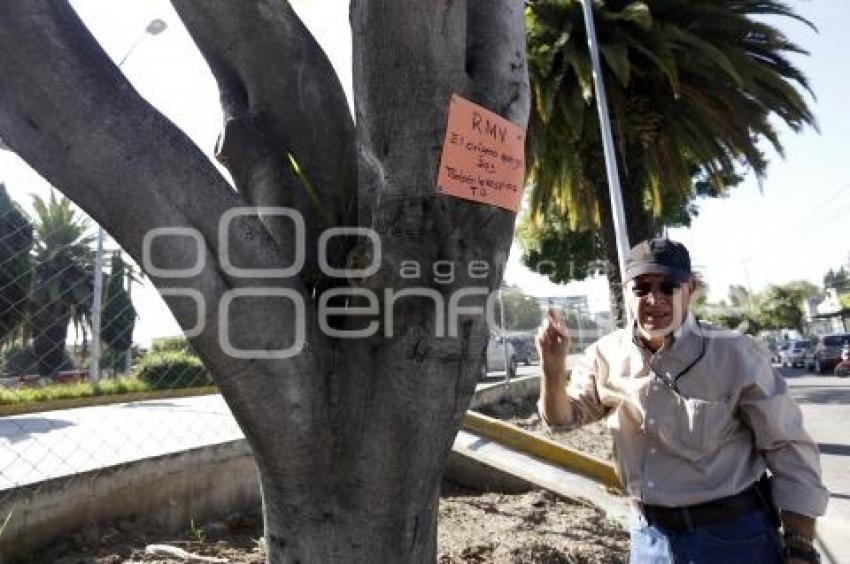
(659, 303)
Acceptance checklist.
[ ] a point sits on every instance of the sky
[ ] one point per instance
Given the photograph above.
(794, 226)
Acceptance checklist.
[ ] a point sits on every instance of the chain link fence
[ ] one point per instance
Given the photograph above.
(48, 334)
(66, 412)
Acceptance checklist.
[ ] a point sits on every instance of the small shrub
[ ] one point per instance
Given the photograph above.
(170, 370)
(172, 344)
(17, 361)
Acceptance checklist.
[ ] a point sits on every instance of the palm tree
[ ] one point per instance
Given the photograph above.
(16, 240)
(62, 279)
(692, 86)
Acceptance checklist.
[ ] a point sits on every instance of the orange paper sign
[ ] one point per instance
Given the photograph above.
(483, 156)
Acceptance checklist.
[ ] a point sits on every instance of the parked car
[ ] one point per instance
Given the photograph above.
(525, 348)
(827, 351)
(777, 351)
(842, 369)
(794, 354)
(496, 349)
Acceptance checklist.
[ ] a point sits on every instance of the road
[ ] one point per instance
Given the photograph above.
(825, 401)
(40, 446)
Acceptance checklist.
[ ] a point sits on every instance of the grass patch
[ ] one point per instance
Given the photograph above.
(72, 391)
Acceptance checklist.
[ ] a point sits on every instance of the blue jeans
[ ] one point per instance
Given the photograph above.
(749, 539)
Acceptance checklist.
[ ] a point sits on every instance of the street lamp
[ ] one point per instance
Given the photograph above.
(577, 309)
(155, 27)
(504, 336)
(616, 194)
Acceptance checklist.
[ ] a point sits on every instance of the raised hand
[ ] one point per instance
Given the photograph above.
(553, 341)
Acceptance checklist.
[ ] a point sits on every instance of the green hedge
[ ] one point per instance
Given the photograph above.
(170, 370)
(171, 344)
(16, 361)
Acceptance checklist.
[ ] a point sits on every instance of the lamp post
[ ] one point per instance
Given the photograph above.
(504, 336)
(614, 190)
(155, 27)
(577, 309)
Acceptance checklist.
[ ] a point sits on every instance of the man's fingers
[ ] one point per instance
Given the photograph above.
(556, 322)
(554, 332)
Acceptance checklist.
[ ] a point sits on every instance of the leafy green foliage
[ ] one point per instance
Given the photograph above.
(119, 316)
(172, 344)
(16, 241)
(552, 251)
(170, 370)
(781, 308)
(71, 391)
(17, 360)
(522, 312)
(692, 87)
(62, 279)
(778, 307)
(838, 279)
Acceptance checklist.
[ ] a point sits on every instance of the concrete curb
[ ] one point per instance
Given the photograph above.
(170, 490)
(550, 451)
(214, 480)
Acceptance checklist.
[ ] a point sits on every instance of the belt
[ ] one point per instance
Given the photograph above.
(708, 513)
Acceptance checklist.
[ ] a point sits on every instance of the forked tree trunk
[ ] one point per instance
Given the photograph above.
(350, 435)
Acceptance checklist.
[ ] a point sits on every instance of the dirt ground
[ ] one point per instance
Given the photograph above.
(593, 439)
(474, 527)
(536, 528)
(533, 528)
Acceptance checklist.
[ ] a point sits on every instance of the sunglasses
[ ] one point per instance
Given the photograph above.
(667, 287)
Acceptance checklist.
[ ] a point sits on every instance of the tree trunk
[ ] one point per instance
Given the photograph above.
(640, 226)
(50, 330)
(350, 435)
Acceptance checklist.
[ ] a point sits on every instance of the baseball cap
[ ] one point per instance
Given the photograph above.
(659, 256)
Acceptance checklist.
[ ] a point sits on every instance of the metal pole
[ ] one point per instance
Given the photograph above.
(615, 192)
(580, 333)
(504, 336)
(128, 359)
(155, 27)
(94, 366)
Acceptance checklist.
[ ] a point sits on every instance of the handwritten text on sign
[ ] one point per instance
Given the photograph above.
(483, 156)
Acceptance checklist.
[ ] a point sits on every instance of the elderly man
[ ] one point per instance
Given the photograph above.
(698, 416)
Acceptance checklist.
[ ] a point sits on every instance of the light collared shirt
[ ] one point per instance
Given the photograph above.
(700, 419)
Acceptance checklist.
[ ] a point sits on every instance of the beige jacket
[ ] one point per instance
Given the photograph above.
(712, 433)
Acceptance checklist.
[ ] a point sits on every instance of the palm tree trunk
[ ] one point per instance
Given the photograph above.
(640, 226)
(49, 335)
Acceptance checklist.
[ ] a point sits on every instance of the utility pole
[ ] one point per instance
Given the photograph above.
(155, 27)
(614, 190)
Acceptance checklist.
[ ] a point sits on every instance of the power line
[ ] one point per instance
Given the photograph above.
(823, 206)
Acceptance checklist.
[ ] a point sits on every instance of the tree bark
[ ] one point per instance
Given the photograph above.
(350, 435)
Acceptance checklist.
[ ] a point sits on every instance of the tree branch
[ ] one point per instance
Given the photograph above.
(281, 98)
(496, 55)
(73, 116)
(477, 50)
